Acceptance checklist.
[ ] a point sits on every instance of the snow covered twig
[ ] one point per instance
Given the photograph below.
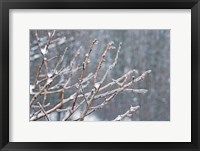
(127, 113)
(84, 92)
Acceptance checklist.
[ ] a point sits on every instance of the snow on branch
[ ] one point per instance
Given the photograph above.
(89, 92)
(127, 113)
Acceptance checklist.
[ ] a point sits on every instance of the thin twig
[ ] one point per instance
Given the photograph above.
(97, 96)
(101, 61)
(38, 73)
(97, 86)
(127, 113)
(84, 67)
(98, 91)
(42, 109)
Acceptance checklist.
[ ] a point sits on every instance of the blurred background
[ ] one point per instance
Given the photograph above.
(141, 50)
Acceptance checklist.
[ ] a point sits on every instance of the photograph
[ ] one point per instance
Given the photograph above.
(96, 75)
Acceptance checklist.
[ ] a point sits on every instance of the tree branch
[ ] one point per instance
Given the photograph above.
(127, 113)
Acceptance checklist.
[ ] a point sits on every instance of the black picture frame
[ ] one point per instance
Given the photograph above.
(5, 5)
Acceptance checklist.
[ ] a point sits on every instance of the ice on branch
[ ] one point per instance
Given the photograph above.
(77, 90)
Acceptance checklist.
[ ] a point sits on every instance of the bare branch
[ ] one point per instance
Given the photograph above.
(43, 52)
(127, 113)
(137, 90)
(72, 111)
(102, 60)
(38, 73)
(81, 89)
(42, 109)
(97, 96)
(84, 67)
(37, 107)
